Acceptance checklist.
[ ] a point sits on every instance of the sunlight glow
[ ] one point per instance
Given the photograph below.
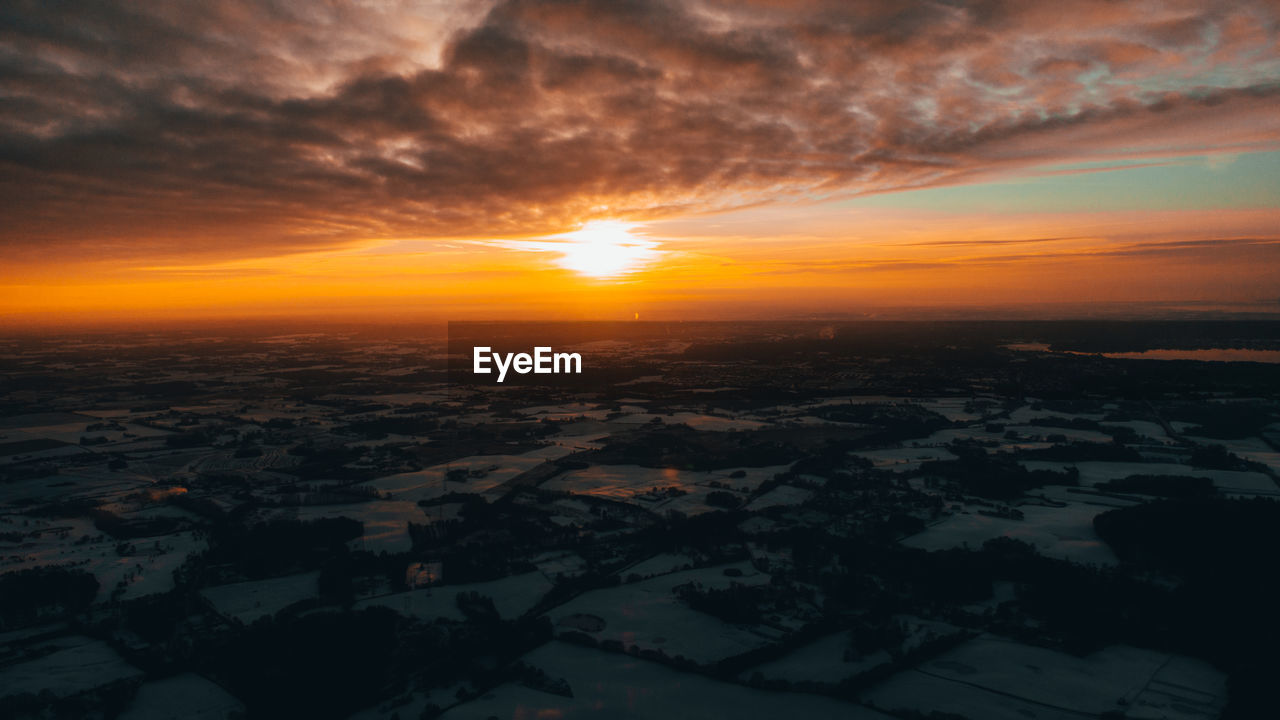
(603, 249)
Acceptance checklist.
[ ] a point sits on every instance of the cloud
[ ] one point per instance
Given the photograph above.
(1261, 252)
(990, 242)
(261, 128)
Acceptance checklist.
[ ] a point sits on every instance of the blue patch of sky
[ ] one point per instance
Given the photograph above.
(1249, 180)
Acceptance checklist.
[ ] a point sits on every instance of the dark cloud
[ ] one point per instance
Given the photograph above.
(267, 127)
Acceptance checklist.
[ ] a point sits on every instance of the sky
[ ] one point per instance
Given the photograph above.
(612, 159)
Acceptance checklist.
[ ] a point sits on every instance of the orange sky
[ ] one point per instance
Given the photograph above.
(890, 258)
(443, 160)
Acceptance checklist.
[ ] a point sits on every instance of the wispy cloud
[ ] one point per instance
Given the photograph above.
(1233, 250)
(256, 127)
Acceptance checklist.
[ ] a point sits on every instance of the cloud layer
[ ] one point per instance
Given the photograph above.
(262, 127)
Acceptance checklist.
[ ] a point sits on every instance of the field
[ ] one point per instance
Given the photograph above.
(182, 696)
(64, 667)
(992, 677)
(1060, 532)
(512, 596)
(609, 685)
(648, 615)
(248, 601)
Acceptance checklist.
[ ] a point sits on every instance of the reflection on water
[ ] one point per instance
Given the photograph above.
(1206, 354)
(1211, 354)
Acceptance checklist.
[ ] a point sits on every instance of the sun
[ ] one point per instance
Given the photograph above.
(604, 249)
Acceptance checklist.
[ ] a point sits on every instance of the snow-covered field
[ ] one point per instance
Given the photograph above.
(580, 441)
(566, 411)
(146, 569)
(781, 495)
(1144, 428)
(659, 564)
(66, 666)
(571, 511)
(182, 696)
(621, 482)
(1071, 434)
(993, 677)
(512, 596)
(486, 472)
(71, 428)
(631, 483)
(1231, 482)
(386, 522)
(556, 564)
(951, 408)
(612, 685)
(697, 421)
(248, 601)
(951, 435)
(1025, 414)
(1066, 533)
(86, 483)
(822, 661)
(648, 615)
(1250, 448)
(907, 458)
